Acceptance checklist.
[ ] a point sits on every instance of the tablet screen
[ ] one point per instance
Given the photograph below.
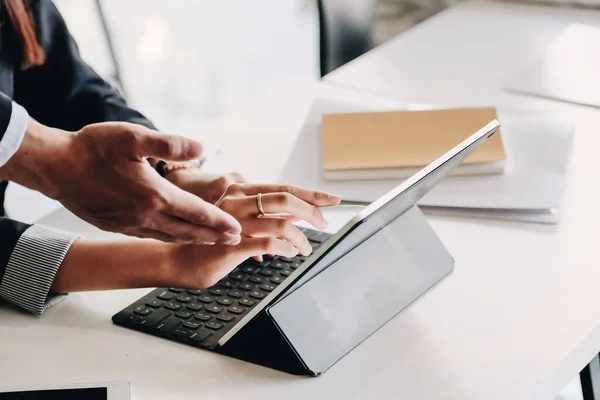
(58, 394)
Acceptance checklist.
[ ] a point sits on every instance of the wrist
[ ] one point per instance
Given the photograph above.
(91, 265)
(41, 157)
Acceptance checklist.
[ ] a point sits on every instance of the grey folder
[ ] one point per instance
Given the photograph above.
(537, 145)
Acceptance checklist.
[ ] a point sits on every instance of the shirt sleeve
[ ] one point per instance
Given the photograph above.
(32, 256)
(12, 135)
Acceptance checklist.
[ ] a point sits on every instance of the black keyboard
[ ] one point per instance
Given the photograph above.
(201, 317)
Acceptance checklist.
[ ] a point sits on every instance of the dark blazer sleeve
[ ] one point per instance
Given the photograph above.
(65, 92)
(5, 113)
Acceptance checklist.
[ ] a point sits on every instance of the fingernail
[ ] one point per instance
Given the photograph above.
(260, 258)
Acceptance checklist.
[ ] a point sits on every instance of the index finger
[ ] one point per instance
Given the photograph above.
(314, 197)
(193, 209)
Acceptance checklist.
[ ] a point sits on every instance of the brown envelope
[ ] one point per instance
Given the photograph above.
(403, 138)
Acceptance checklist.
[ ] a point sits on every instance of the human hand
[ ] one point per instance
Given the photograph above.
(94, 265)
(209, 187)
(100, 173)
(282, 205)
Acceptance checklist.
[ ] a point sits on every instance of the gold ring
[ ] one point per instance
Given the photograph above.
(261, 210)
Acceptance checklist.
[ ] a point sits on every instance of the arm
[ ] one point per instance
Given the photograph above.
(74, 94)
(29, 255)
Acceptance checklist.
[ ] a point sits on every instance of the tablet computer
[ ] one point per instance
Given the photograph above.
(369, 221)
(87, 391)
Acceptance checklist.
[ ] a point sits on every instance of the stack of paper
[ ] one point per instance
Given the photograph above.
(396, 144)
(537, 146)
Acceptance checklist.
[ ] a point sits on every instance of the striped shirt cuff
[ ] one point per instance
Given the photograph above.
(32, 266)
(15, 132)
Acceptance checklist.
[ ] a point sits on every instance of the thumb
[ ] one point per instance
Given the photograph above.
(167, 147)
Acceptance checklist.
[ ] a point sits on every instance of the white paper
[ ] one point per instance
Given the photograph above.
(568, 70)
(537, 146)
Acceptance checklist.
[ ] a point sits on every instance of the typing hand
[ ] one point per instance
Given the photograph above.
(281, 204)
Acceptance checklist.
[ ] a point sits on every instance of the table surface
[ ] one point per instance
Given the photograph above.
(518, 317)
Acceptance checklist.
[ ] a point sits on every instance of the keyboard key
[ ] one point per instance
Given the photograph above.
(266, 272)
(278, 265)
(228, 283)
(286, 272)
(166, 296)
(257, 295)
(247, 302)
(214, 325)
(195, 292)
(249, 269)
(176, 290)
(276, 279)
(184, 298)
(287, 259)
(295, 265)
(314, 245)
(225, 301)
(169, 324)
(239, 276)
(225, 317)
(246, 286)
(320, 237)
(194, 306)
(267, 261)
(157, 316)
(214, 309)
(191, 324)
(206, 299)
(154, 303)
(135, 320)
(217, 291)
(172, 306)
(200, 335)
(236, 294)
(267, 287)
(181, 332)
(142, 310)
(236, 309)
(185, 314)
(202, 316)
(257, 279)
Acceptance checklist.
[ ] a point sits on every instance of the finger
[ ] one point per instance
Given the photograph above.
(269, 245)
(186, 232)
(193, 209)
(275, 203)
(314, 197)
(150, 143)
(279, 228)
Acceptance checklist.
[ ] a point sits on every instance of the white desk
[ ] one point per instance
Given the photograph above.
(463, 55)
(518, 318)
